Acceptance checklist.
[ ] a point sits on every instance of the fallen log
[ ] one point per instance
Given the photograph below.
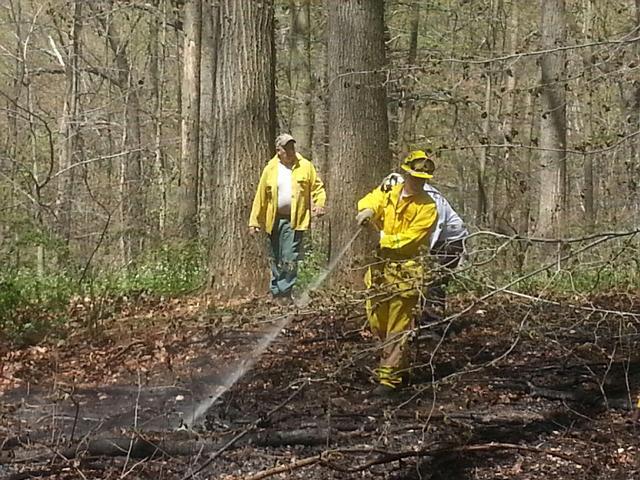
(139, 446)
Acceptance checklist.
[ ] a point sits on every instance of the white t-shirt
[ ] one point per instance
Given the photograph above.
(284, 189)
(450, 226)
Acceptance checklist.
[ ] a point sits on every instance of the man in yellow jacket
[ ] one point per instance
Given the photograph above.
(405, 216)
(289, 191)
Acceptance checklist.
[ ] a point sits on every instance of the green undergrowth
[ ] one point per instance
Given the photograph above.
(33, 306)
(613, 267)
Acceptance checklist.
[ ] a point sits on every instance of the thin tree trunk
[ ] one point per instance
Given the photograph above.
(482, 198)
(188, 202)
(501, 208)
(407, 103)
(553, 125)
(358, 125)
(157, 42)
(301, 80)
(633, 113)
(588, 185)
(320, 231)
(245, 131)
(207, 91)
(69, 133)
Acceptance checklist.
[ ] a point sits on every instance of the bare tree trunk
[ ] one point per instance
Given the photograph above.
(588, 185)
(245, 131)
(320, 231)
(207, 91)
(69, 132)
(157, 42)
(407, 103)
(358, 126)
(553, 126)
(501, 211)
(132, 208)
(482, 197)
(301, 80)
(633, 122)
(523, 181)
(188, 203)
(13, 136)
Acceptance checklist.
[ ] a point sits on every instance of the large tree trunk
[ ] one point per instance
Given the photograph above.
(245, 131)
(190, 134)
(301, 81)
(358, 127)
(553, 125)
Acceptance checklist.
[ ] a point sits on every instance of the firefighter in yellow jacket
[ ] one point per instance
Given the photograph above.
(289, 191)
(405, 216)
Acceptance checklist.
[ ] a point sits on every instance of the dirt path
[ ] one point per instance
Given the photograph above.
(513, 390)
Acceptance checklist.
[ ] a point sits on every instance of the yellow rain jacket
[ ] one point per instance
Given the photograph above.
(307, 187)
(394, 285)
(405, 222)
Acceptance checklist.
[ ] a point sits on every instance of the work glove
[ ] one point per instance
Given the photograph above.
(391, 181)
(364, 216)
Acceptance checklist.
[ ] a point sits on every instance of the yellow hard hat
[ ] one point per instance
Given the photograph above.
(415, 164)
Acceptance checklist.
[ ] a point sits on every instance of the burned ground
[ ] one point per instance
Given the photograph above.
(511, 389)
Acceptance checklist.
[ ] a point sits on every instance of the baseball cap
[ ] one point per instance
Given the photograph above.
(283, 139)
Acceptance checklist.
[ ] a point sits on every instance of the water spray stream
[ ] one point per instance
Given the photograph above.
(281, 322)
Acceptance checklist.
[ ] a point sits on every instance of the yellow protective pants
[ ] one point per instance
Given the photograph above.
(393, 292)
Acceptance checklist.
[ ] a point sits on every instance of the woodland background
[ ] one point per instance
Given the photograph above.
(132, 137)
(134, 133)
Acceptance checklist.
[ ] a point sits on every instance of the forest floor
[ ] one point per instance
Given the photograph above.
(514, 389)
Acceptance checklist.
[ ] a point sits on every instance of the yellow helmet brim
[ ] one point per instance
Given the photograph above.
(415, 173)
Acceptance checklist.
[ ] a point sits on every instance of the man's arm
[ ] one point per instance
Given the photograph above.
(259, 203)
(373, 201)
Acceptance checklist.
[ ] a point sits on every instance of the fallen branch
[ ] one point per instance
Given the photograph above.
(388, 457)
(286, 468)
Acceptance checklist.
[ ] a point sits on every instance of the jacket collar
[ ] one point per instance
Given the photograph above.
(276, 160)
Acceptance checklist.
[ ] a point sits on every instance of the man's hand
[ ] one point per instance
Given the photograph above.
(317, 211)
(364, 216)
(254, 230)
(391, 181)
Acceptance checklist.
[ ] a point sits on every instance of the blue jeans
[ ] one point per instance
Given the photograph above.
(286, 251)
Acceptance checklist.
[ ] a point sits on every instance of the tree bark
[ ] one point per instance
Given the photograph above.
(553, 125)
(190, 131)
(358, 125)
(245, 132)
